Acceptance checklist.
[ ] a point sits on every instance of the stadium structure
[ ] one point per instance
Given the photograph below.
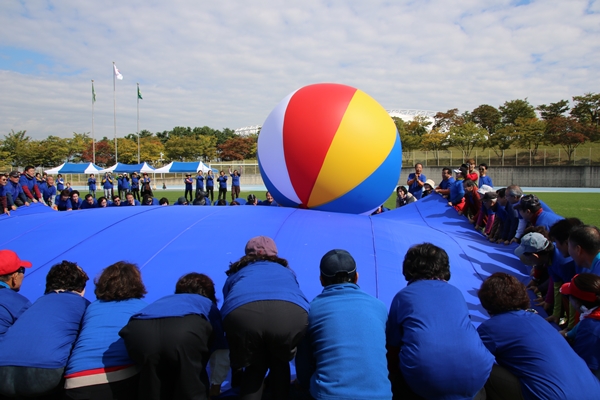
(404, 113)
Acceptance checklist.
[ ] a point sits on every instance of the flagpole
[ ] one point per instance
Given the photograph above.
(115, 109)
(138, 119)
(93, 138)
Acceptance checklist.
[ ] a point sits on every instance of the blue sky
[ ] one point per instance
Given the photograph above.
(229, 64)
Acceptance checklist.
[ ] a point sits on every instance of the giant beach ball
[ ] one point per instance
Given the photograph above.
(330, 147)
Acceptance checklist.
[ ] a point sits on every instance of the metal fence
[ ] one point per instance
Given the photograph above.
(511, 157)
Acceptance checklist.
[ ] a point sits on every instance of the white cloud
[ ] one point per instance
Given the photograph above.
(228, 65)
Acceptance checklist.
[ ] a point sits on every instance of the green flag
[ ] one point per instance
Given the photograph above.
(139, 93)
(93, 93)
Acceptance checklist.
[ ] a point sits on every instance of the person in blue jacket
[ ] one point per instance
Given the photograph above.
(29, 184)
(533, 361)
(35, 350)
(49, 192)
(210, 185)
(99, 366)
(170, 340)
(4, 209)
(60, 183)
(261, 288)
(235, 184)
(222, 179)
(63, 201)
(416, 181)
(484, 179)
(76, 201)
(120, 185)
(92, 185)
(199, 183)
(126, 184)
(15, 196)
(135, 186)
(107, 184)
(188, 182)
(584, 294)
(433, 348)
(88, 202)
(335, 344)
(146, 185)
(12, 304)
(456, 197)
(130, 200)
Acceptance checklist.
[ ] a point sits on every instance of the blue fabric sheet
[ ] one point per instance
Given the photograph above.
(168, 242)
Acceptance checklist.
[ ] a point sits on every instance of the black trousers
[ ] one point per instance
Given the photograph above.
(262, 336)
(222, 194)
(172, 354)
(23, 382)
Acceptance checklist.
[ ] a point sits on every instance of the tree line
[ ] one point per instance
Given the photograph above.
(514, 123)
(179, 144)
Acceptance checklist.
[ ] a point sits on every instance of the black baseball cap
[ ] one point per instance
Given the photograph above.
(336, 261)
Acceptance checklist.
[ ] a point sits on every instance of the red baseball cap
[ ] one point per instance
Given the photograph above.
(10, 262)
(570, 288)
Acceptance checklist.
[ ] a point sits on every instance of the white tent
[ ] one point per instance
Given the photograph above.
(74, 168)
(129, 168)
(182, 167)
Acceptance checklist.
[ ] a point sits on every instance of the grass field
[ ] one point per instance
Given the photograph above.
(585, 206)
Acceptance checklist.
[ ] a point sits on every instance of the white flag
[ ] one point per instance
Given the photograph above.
(117, 73)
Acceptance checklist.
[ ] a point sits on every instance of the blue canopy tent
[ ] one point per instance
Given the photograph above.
(129, 168)
(74, 168)
(183, 167)
(169, 246)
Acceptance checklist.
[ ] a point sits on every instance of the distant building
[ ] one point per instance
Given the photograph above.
(248, 130)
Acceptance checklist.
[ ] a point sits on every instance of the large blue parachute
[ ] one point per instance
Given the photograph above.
(168, 242)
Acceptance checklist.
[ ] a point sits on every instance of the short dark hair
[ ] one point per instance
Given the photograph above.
(402, 189)
(74, 192)
(120, 281)
(469, 183)
(252, 258)
(418, 164)
(162, 201)
(65, 192)
(587, 237)
(196, 283)
(560, 231)
(147, 197)
(102, 199)
(340, 277)
(28, 167)
(66, 276)
(88, 196)
(426, 261)
(501, 193)
(116, 196)
(501, 293)
(447, 170)
(222, 202)
(484, 165)
(129, 194)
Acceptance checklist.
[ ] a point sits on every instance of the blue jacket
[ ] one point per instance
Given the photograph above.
(199, 182)
(49, 192)
(60, 184)
(235, 180)
(457, 192)
(125, 183)
(107, 182)
(63, 205)
(262, 280)
(12, 305)
(210, 181)
(14, 191)
(135, 182)
(222, 182)
(29, 184)
(92, 183)
(324, 362)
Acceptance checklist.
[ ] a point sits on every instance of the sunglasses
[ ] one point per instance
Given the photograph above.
(21, 270)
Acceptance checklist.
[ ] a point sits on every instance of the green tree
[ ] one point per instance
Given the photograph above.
(128, 150)
(553, 110)
(568, 133)
(105, 153)
(531, 133)
(238, 148)
(413, 132)
(513, 109)
(587, 109)
(466, 137)
(16, 145)
(207, 147)
(52, 151)
(77, 145)
(183, 149)
(435, 141)
(224, 135)
(445, 121)
(150, 149)
(487, 117)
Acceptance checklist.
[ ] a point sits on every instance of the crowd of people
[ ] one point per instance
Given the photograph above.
(20, 189)
(346, 344)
